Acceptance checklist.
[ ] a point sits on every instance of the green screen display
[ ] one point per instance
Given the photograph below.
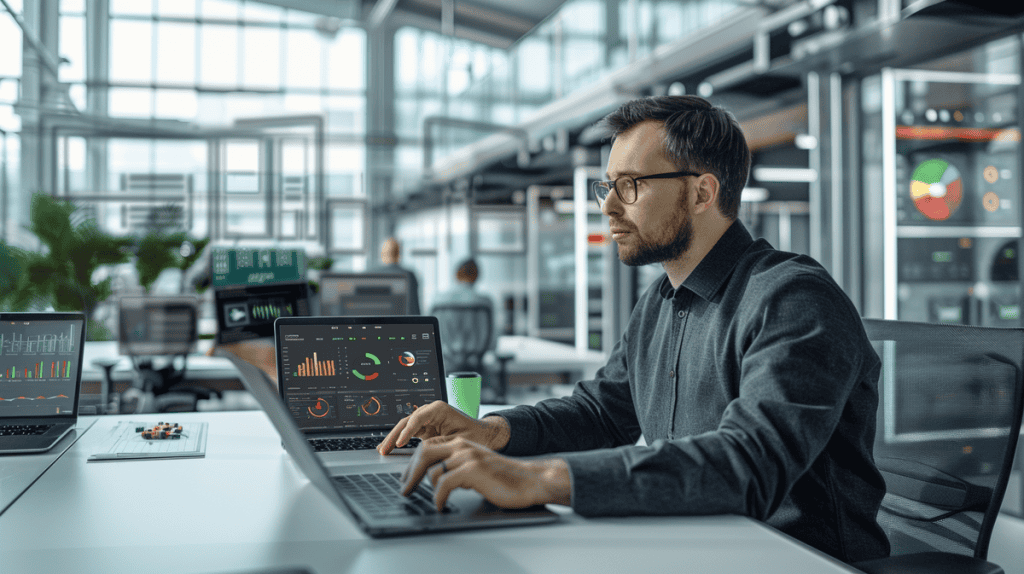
(253, 266)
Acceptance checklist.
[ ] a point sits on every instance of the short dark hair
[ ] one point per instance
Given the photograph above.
(698, 136)
(467, 271)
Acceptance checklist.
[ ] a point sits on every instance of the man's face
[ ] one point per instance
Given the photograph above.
(658, 226)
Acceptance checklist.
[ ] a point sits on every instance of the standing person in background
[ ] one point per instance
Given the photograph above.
(390, 254)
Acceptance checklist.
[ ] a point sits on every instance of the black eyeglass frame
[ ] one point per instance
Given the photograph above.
(606, 186)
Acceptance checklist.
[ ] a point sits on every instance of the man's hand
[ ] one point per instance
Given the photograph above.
(506, 482)
(439, 419)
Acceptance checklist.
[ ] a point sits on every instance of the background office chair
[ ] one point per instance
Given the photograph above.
(466, 334)
(164, 327)
(950, 407)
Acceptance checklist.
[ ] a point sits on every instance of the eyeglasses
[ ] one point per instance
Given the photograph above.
(626, 186)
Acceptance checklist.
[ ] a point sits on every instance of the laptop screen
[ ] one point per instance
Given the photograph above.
(357, 373)
(40, 364)
(245, 313)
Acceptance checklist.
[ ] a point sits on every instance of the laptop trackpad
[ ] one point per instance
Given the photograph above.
(351, 461)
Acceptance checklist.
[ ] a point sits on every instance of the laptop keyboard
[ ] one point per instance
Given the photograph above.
(24, 430)
(380, 495)
(353, 443)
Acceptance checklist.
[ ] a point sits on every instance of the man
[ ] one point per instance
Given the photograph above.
(463, 292)
(746, 369)
(459, 331)
(390, 255)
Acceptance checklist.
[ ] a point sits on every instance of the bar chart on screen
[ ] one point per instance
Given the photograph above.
(315, 367)
(17, 344)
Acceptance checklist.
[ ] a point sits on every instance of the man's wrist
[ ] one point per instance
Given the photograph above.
(554, 484)
(499, 432)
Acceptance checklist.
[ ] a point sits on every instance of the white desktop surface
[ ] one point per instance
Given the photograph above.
(19, 471)
(534, 355)
(245, 506)
(198, 363)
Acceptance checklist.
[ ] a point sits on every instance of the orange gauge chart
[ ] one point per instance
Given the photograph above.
(407, 359)
(937, 189)
(319, 409)
(370, 407)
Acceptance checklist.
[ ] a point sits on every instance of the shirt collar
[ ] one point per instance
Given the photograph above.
(712, 271)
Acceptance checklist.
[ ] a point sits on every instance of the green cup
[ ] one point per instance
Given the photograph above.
(464, 391)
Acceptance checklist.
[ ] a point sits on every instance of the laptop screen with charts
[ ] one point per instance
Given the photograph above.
(40, 378)
(357, 374)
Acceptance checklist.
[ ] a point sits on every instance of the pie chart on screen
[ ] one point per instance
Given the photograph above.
(937, 189)
(407, 359)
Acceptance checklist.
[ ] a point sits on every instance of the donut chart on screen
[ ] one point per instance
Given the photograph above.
(937, 189)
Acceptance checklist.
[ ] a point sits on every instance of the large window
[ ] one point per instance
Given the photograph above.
(10, 124)
(209, 63)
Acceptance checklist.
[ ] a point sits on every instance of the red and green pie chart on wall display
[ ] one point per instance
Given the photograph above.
(937, 189)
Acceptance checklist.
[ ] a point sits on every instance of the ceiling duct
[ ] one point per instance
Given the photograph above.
(788, 35)
(972, 9)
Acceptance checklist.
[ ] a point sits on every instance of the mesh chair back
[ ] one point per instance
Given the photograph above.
(465, 334)
(950, 402)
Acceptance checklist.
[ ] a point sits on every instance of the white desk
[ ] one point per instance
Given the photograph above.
(203, 366)
(18, 472)
(245, 506)
(533, 355)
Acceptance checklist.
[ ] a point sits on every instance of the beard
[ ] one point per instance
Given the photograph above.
(647, 252)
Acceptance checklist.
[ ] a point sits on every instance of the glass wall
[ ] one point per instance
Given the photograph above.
(10, 123)
(433, 74)
(576, 47)
(199, 67)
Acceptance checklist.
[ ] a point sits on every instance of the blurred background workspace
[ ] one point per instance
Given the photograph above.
(185, 171)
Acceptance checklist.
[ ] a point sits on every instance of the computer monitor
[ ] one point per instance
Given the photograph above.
(256, 265)
(354, 294)
(163, 325)
(245, 313)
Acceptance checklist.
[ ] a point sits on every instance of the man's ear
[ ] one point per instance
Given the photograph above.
(707, 189)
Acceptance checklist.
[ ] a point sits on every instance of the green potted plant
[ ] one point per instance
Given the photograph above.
(59, 275)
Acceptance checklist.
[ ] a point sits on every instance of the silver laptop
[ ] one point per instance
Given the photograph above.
(40, 379)
(364, 486)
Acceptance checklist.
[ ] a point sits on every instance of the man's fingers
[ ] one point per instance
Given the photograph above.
(461, 477)
(412, 428)
(425, 457)
(388, 444)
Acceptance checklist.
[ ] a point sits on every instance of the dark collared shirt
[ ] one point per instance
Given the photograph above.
(755, 387)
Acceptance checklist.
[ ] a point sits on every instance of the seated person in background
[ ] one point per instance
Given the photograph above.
(390, 255)
(746, 369)
(463, 345)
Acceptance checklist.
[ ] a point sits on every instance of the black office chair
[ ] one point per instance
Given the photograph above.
(166, 327)
(466, 333)
(950, 407)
